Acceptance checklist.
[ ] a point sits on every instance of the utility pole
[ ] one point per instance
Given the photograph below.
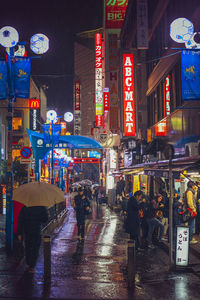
(171, 260)
(9, 185)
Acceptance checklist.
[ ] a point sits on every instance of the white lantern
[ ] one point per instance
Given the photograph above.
(68, 117)
(52, 116)
(181, 30)
(9, 36)
(39, 43)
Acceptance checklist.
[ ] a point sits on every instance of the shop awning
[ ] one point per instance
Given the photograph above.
(161, 169)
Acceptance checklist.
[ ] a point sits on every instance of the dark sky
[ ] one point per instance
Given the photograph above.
(59, 20)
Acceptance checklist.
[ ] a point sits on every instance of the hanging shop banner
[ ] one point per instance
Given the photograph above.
(21, 75)
(190, 66)
(142, 24)
(77, 95)
(106, 99)
(129, 97)
(3, 80)
(98, 79)
(34, 105)
(167, 96)
(115, 11)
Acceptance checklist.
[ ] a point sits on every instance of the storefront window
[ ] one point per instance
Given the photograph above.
(17, 123)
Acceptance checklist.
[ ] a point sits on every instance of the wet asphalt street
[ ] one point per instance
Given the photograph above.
(96, 269)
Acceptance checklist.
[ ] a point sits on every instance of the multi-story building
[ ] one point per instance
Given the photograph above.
(167, 106)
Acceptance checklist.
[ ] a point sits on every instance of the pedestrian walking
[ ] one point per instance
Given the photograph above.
(190, 202)
(197, 223)
(133, 218)
(29, 228)
(82, 207)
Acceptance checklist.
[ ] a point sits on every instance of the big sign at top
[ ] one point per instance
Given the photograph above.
(114, 13)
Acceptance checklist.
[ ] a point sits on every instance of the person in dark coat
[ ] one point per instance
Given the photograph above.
(82, 206)
(133, 217)
(29, 226)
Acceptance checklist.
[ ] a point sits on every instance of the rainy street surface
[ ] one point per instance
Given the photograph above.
(96, 269)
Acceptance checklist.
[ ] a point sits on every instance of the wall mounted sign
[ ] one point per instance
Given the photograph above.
(34, 105)
(98, 79)
(129, 95)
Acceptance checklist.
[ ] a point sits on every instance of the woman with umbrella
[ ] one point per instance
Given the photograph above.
(35, 197)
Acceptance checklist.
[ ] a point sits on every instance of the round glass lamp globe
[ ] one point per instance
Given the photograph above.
(68, 117)
(181, 30)
(52, 115)
(39, 43)
(9, 37)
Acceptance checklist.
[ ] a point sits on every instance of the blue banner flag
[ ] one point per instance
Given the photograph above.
(21, 76)
(56, 133)
(47, 137)
(3, 80)
(190, 75)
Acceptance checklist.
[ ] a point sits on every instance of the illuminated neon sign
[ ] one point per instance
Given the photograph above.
(98, 79)
(129, 97)
(167, 96)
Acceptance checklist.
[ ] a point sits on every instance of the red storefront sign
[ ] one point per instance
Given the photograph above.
(129, 96)
(77, 95)
(115, 11)
(161, 128)
(106, 99)
(99, 120)
(167, 96)
(86, 160)
(98, 50)
(34, 103)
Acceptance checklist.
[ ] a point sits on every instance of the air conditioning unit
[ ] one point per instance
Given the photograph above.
(191, 149)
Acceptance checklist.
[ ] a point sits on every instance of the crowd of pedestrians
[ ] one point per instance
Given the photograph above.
(147, 220)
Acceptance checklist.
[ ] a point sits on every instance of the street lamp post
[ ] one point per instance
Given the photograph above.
(9, 38)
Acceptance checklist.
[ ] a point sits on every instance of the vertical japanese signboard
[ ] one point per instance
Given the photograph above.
(182, 246)
(142, 24)
(98, 79)
(106, 99)
(34, 114)
(77, 108)
(129, 95)
(115, 11)
(167, 96)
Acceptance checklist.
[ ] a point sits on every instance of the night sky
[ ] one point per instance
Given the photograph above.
(59, 20)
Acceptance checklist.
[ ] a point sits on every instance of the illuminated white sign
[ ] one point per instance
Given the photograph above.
(39, 43)
(182, 246)
(113, 159)
(9, 36)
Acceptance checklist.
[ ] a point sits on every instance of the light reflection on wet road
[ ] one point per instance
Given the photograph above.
(96, 269)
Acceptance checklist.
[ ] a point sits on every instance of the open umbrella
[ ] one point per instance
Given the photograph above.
(38, 194)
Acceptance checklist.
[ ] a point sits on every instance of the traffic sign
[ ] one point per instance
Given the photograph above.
(26, 152)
